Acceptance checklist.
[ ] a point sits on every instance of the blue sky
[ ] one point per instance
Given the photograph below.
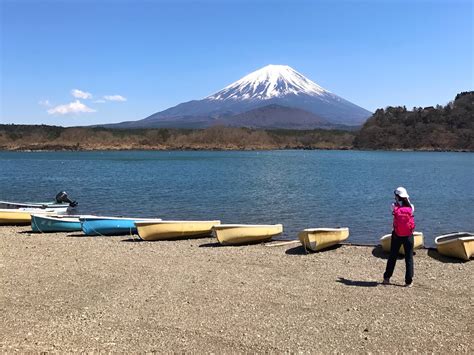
(139, 57)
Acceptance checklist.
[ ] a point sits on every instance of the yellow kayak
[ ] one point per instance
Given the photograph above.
(233, 234)
(458, 245)
(316, 239)
(166, 230)
(386, 242)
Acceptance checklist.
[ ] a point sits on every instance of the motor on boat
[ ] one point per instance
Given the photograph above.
(62, 197)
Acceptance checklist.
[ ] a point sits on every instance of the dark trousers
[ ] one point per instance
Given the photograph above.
(407, 243)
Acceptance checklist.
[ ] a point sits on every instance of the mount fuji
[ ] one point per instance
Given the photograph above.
(260, 94)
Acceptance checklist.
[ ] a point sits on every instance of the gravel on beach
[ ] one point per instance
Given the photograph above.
(68, 293)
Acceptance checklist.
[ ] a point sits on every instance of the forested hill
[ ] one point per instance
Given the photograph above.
(449, 127)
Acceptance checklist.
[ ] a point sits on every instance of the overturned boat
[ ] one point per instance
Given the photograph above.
(165, 230)
(457, 245)
(234, 234)
(316, 239)
(108, 226)
(386, 242)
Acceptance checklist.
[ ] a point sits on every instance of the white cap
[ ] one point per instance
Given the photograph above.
(402, 192)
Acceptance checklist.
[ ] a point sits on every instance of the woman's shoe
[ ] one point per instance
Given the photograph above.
(386, 282)
(409, 285)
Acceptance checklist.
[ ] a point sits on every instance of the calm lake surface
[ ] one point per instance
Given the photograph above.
(299, 189)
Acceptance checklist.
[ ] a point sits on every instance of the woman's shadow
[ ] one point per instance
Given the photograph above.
(301, 250)
(348, 282)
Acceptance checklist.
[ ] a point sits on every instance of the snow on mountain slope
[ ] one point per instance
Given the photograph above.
(270, 82)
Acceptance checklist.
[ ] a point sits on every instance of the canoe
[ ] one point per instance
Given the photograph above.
(20, 216)
(458, 245)
(386, 242)
(45, 223)
(166, 230)
(316, 239)
(234, 234)
(99, 225)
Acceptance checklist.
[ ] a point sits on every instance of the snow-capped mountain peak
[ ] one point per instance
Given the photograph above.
(273, 96)
(271, 81)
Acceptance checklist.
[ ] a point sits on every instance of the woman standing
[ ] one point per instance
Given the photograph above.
(402, 234)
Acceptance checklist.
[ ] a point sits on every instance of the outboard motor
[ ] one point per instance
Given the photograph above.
(63, 198)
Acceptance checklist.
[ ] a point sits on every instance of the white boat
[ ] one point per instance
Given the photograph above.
(36, 205)
(61, 202)
(458, 245)
(233, 234)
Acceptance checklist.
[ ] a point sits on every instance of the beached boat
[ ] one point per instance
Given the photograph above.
(386, 242)
(166, 230)
(46, 223)
(98, 225)
(316, 239)
(234, 234)
(21, 216)
(458, 245)
(62, 203)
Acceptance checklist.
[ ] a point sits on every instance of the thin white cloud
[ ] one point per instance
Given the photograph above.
(44, 103)
(115, 98)
(72, 107)
(100, 101)
(79, 94)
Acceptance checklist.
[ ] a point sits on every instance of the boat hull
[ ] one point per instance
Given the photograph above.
(317, 239)
(108, 226)
(62, 207)
(235, 234)
(20, 216)
(168, 230)
(386, 242)
(456, 245)
(14, 217)
(45, 224)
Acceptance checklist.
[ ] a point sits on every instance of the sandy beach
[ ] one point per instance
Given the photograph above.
(63, 292)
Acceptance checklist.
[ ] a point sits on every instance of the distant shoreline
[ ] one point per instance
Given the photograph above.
(46, 150)
(218, 138)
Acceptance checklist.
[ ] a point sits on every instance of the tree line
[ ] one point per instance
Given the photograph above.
(449, 127)
(41, 137)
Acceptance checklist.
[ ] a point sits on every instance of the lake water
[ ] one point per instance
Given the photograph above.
(299, 189)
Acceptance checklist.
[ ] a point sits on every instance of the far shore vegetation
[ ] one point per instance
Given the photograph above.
(449, 127)
(440, 128)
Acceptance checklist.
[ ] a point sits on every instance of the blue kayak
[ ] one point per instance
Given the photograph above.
(109, 225)
(45, 224)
